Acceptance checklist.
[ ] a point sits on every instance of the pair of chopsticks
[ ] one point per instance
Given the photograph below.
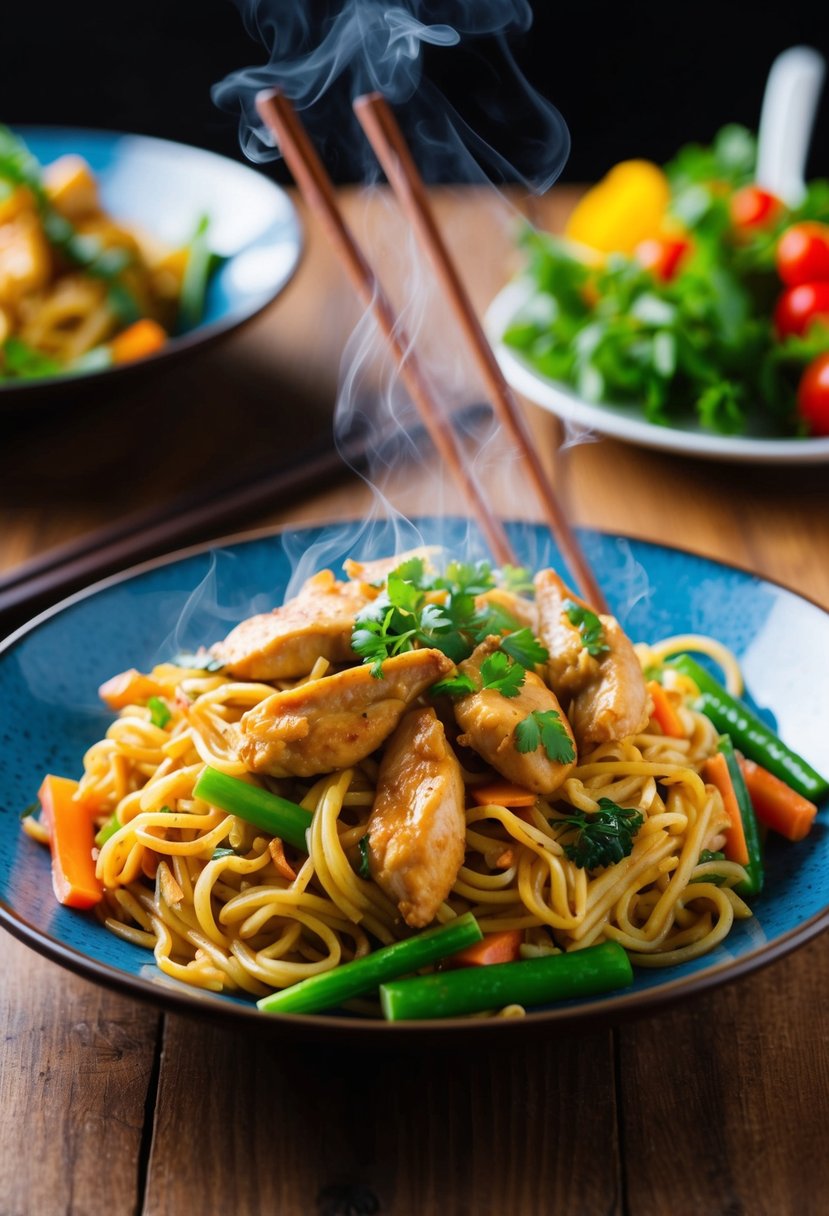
(384, 135)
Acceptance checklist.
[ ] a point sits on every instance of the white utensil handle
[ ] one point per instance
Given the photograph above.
(788, 113)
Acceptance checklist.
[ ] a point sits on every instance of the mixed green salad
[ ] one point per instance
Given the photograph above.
(689, 291)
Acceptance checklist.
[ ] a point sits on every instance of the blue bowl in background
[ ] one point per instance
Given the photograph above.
(163, 189)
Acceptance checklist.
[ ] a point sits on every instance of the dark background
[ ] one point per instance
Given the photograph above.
(629, 79)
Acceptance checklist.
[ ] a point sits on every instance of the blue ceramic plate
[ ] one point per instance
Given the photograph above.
(163, 189)
(49, 714)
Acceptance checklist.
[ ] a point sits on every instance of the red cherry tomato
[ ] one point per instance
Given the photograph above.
(800, 306)
(813, 396)
(803, 253)
(661, 255)
(752, 208)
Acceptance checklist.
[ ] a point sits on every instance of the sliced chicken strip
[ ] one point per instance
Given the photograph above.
(609, 697)
(488, 720)
(378, 570)
(569, 668)
(337, 721)
(617, 703)
(285, 644)
(522, 611)
(417, 827)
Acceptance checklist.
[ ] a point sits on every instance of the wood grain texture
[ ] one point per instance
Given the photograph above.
(725, 1100)
(77, 1065)
(320, 1132)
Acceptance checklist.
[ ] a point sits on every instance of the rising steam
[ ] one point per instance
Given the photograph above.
(469, 116)
(323, 55)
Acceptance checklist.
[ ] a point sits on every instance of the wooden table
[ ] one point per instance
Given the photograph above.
(108, 1106)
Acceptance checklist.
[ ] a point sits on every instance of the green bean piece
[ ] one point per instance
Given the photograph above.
(264, 810)
(753, 884)
(753, 738)
(537, 981)
(331, 988)
(196, 275)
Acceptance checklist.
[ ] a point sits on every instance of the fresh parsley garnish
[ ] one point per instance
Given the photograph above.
(460, 685)
(603, 838)
(589, 627)
(517, 579)
(160, 713)
(544, 728)
(523, 646)
(364, 870)
(498, 672)
(438, 611)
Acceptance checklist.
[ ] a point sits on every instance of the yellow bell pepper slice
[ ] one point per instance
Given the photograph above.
(625, 207)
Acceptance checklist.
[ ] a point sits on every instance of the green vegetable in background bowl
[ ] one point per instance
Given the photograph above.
(690, 291)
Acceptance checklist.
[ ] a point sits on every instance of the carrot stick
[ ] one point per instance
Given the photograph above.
(129, 688)
(664, 711)
(503, 793)
(715, 772)
(138, 340)
(501, 947)
(776, 804)
(71, 830)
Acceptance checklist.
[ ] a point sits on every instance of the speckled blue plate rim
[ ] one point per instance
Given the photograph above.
(202, 335)
(574, 1014)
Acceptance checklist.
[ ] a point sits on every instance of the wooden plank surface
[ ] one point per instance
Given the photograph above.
(76, 1071)
(332, 1131)
(714, 1106)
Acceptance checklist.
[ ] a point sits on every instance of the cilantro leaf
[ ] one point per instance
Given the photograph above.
(502, 674)
(525, 648)
(160, 713)
(459, 685)
(544, 728)
(603, 838)
(517, 579)
(588, 625)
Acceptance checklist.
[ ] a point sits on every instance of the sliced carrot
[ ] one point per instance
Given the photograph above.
(715, 772)
(129, 688)
(277, 851)
(503, 793)
(776, 804)
(71, 839)
(138, 340)
(664, 711)
(501, 947)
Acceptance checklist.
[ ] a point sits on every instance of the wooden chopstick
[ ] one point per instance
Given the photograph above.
(310, 175)
(386, 138)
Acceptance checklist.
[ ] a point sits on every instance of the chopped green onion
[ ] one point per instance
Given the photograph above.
(536, 981)
(108, 829)
(264, 810)
(331, 988)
